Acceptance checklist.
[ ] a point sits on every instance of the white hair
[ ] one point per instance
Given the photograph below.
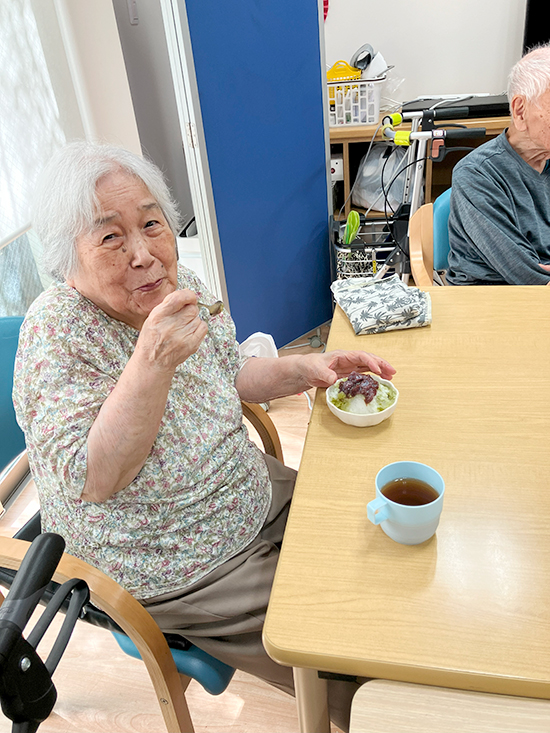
(530, 77)
(66, 202)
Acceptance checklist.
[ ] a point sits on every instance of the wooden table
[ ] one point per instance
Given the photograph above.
(469, 608)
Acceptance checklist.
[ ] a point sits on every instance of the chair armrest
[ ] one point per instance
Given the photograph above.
(421, 246)
(131, 616)
(265, 427)
(12, 476)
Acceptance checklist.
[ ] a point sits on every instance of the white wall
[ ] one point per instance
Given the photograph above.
(92, 45)
(58, 68)
(148, 67)
(456, 47)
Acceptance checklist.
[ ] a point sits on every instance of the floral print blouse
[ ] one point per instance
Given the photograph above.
(203, 492)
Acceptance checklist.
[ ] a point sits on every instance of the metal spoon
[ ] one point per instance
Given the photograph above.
(213, 309)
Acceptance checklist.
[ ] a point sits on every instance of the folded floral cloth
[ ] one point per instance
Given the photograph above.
(373, 306)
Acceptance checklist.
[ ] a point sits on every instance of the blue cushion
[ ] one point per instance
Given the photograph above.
(13, 440)
(442, 207)
(212, 674)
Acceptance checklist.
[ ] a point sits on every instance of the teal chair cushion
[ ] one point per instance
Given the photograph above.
(212, 674)
(13, 440)
(441, 209)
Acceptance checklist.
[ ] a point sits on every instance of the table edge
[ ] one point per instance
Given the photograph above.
(453, 679)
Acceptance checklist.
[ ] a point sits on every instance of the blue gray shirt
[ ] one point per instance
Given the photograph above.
(499, 225)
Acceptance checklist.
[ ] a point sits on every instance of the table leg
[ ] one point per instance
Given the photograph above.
(311, 701)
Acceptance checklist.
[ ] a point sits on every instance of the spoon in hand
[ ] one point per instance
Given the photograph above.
(213, 309)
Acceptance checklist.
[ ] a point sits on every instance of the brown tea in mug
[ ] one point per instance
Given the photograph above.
(409, 491)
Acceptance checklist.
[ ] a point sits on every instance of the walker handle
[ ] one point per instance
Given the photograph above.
(36, 571)
(462, 132)
(447, 113)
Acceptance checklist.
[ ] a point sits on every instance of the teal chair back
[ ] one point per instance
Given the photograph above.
(13, 440)
(441, 210)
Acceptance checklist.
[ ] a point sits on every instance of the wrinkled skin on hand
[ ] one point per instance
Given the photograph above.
(172, 331)
(324, 369)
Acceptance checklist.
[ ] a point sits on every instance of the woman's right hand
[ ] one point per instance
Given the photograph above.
(127, 424)
(172, 331)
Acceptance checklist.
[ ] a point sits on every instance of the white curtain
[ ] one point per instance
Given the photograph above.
(30, 129)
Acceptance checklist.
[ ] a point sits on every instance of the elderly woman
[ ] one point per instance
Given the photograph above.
(130, 400)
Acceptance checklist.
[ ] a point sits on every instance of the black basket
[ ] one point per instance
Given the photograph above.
(365, 255)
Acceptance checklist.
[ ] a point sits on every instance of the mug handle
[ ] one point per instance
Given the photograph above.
(377, 510)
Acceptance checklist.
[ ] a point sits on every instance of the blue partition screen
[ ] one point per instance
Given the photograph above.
(259, 77)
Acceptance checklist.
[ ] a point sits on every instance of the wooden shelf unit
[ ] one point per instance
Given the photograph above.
(353, 142)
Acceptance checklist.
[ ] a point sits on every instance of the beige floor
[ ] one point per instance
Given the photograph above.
(101, 690)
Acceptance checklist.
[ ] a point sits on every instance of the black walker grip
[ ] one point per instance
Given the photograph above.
(34, 574)
(459, 133)
(447, 113)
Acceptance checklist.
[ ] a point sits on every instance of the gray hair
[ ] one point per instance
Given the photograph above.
(66, 202)
(530, 77)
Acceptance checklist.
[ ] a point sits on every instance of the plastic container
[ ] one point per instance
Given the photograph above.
(355, 102)
(259, 344)
(342, 71)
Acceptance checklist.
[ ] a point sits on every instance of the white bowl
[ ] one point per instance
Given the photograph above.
(362, 421)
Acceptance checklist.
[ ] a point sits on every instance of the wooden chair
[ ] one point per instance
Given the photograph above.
(263, 425)
(170, 670)
(381, 706)
(429, 240)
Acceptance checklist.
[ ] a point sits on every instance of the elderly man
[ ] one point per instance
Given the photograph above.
(499, 225)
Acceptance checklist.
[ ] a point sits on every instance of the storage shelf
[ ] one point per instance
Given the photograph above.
(354, 139)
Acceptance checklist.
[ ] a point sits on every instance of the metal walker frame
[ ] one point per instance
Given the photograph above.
(382, 244)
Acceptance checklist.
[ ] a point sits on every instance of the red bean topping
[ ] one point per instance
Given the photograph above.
(360, 384)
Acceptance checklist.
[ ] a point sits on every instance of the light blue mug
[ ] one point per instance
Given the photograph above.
(408, 525)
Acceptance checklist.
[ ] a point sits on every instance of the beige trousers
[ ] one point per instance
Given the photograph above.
(223, 613)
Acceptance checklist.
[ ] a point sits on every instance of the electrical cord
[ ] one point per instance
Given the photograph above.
(357, 177)
(398, 105)
(450, 101)
(386, 201)
(385, 192)
(397, 245)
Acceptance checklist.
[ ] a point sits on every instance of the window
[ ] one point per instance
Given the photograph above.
(30, 131)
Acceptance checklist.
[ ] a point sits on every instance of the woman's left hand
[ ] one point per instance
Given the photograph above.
(322, 370)
(262, 379)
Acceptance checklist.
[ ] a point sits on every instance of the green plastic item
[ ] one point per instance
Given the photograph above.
(352, 227)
